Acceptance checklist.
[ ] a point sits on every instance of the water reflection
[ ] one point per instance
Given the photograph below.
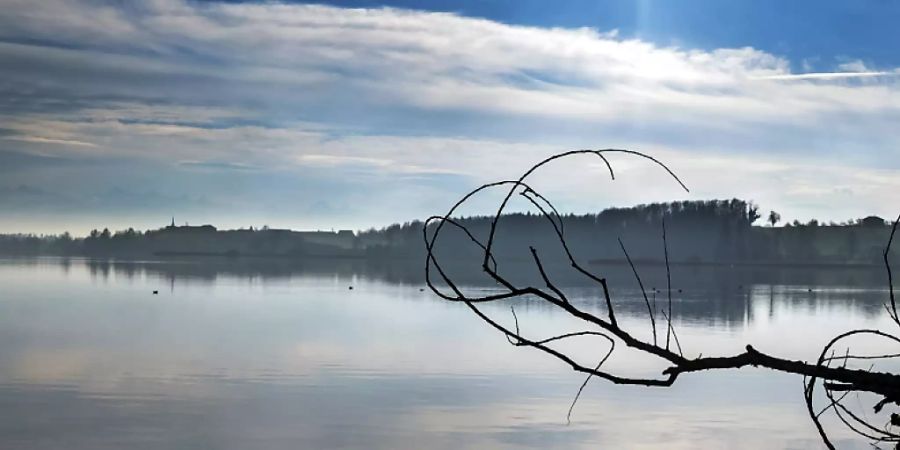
(717, 295)
(274, 354)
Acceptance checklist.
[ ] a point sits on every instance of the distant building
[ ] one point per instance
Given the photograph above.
(872, 221)
(188, 228)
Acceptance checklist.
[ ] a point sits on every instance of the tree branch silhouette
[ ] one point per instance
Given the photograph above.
(824, 372)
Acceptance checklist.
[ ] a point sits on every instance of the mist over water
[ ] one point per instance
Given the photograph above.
(247, 354)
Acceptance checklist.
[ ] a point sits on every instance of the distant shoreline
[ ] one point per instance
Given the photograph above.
(713, 233)
(260, 255)
(804, 264)
(362, 257)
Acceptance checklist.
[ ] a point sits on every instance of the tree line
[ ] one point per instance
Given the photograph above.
(703, 231)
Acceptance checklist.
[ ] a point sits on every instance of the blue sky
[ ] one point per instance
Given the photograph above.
(818, 32)
(351, 114)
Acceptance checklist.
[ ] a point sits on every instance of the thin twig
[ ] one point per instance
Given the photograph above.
(643, 291)
(887, 265)
(668, 281)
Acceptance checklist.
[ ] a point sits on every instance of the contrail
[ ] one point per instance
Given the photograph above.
(827, 75)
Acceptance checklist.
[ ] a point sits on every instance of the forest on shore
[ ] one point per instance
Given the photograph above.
(699, 232)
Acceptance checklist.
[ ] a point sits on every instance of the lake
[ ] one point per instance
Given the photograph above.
(280, 355)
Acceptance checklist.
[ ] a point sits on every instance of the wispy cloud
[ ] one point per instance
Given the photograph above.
(46, 140)
(216, 165)
(830, 75)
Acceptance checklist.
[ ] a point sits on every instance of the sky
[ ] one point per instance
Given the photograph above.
(354, 114)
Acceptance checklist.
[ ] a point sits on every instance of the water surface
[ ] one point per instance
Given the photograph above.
(251, 355)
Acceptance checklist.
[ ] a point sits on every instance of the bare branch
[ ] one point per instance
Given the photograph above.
(840, 378)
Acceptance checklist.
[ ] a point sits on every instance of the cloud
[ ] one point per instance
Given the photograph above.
(215, 165)
(830, 75)
(373, 97)
(855, 65)
(302, 59)
(47, 140)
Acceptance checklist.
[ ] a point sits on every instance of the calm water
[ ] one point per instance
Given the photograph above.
(256, 356)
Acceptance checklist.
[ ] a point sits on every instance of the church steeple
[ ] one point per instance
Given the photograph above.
(173, 223)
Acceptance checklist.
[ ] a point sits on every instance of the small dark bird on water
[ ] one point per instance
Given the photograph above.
(155, 292)
(350, 287)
